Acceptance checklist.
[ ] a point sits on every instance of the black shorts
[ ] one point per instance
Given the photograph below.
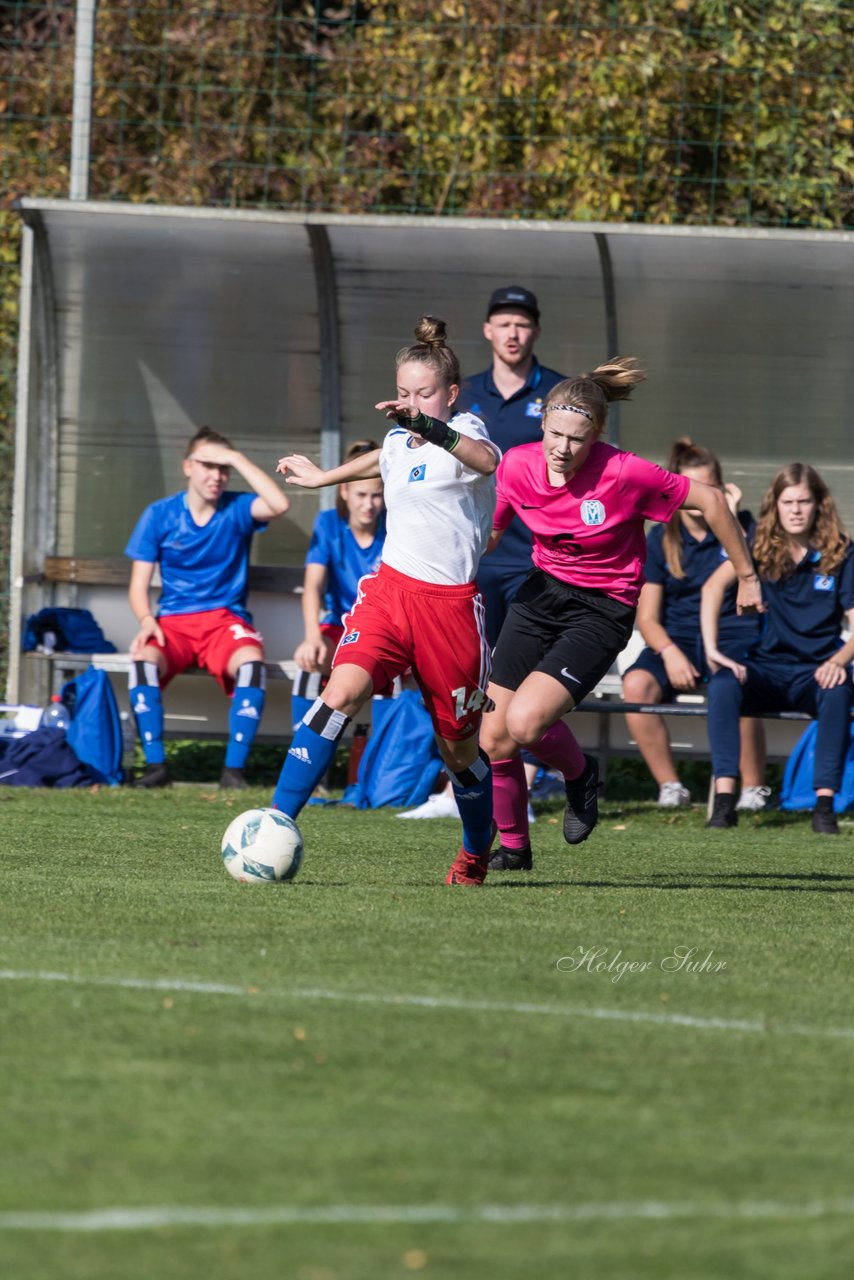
(571, 633)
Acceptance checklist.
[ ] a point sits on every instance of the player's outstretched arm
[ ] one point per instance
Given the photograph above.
(477, 455)
(301, 471)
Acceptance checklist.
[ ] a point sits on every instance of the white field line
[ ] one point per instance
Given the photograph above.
(653, 1017)
(157, 1217)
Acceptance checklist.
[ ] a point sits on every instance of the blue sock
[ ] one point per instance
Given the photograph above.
(244, 717)
(473, 794)
(147, 706)
(310, 755)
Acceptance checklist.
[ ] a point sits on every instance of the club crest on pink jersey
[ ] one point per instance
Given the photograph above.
(592, 512)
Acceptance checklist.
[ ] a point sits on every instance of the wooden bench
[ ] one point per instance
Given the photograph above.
(607, 706)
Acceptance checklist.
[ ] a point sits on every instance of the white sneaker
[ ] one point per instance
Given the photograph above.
(439, 805)
(753, 798)
(672, 795)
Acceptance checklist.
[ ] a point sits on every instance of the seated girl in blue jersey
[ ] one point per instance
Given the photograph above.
(805, 563)
(201, 538)
(681, 555)
(346, 543)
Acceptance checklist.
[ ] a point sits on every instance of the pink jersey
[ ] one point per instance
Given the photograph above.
(589, 532)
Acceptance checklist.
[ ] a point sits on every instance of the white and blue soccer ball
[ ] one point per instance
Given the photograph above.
(262, 846)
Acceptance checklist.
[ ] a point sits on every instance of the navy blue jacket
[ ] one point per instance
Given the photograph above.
(510, 422)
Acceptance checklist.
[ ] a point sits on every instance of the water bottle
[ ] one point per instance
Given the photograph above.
(55, 714)
(128, 744)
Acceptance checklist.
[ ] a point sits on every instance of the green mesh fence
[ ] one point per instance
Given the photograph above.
(690, 111)
(697, 111)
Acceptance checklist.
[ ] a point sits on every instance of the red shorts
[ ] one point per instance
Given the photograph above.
(398, 622)
(208, 640)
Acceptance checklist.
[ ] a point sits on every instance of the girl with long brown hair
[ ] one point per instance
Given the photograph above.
(805, 563)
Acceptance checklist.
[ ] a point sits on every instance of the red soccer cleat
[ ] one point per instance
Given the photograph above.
(471, 868)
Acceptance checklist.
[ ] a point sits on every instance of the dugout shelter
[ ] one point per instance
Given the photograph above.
(140, 322)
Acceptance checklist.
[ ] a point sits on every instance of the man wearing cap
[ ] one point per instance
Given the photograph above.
(508, 397)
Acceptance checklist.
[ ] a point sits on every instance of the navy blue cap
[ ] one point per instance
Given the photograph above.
(514, 298)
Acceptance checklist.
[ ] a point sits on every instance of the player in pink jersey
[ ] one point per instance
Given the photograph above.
(585, 503)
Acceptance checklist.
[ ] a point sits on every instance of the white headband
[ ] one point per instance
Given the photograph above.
(570, 408)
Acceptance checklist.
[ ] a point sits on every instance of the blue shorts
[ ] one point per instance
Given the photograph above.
(692, 646)
(653, 663)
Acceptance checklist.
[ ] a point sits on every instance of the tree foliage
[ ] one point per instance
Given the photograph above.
(700, 111)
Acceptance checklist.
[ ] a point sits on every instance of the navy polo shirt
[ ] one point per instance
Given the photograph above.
(805, 612)
(680, 608)
(510, 422)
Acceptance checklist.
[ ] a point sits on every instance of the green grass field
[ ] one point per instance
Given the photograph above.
(367, 1074)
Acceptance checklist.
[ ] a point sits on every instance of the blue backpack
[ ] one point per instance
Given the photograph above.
(95, 732)
(401, 761)
(797, 791)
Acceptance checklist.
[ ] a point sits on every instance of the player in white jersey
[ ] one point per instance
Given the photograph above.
(421, 610)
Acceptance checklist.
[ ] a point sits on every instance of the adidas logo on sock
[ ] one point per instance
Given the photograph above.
(248, 710)
(301, 754)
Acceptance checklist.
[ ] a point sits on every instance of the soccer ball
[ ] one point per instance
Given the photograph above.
(262, 846)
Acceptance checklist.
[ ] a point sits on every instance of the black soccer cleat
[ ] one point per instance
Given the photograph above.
(824, 821)
(582, 804)
(233, 779)
(724, 812)
(154, 775)
(511, 859)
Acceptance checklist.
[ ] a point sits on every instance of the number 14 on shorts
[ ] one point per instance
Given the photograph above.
(466, 701)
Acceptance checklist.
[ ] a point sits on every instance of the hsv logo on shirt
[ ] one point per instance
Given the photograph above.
(418, 473)
(822, 583)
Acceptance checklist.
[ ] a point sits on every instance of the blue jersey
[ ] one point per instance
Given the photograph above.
(333, 546)
(510, 422)
(805, 612)
(680, 606)
(203, 567)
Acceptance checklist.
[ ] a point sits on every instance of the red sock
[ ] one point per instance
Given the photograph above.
(510, 802)
(559, 750)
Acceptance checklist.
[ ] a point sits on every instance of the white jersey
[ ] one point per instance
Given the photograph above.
(439, 511)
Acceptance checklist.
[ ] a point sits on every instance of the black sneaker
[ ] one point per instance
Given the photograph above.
(582, 804)
(154, 775)
(724, 814)
(824, 822)
(511, 859)
(233, 779)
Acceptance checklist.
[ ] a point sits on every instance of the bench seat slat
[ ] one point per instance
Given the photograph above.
(114, 571)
